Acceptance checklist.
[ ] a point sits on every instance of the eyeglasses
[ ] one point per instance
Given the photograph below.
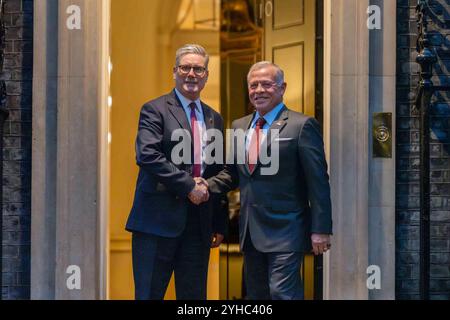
(264, 84)
(185, 69)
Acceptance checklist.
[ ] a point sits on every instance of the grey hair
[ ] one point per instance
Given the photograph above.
(279, 74)
(191, 48)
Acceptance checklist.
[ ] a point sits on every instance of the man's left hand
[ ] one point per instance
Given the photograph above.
(320, 243)
(216, 240)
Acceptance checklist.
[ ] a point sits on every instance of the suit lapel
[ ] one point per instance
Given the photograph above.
(248, 122)
(209, 124)
(279, 124)
(177, 111)
(208, 116)
(246, 127)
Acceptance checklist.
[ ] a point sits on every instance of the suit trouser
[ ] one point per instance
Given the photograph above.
(155, 258)
(272, 275)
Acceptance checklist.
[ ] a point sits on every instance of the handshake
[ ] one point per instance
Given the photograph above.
(200, 192)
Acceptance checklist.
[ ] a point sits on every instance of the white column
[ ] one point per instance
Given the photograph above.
(43, 174)
(382, 170)
(359, 80)
(347, 113)
(68, 224)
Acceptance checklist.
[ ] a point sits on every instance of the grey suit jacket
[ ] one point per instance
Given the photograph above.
(282, 210)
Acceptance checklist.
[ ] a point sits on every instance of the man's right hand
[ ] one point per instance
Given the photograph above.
(200, 192)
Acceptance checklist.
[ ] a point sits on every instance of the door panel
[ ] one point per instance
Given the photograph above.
(289, 41)
(291, 57)
(287, 13)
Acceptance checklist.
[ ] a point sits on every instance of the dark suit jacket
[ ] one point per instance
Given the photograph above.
(160, 200)
(282, 210)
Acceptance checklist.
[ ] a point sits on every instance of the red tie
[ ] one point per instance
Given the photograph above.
(253, 149)
(197, 167)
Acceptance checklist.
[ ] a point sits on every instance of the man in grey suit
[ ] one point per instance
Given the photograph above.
(171, 232)
(284, 213)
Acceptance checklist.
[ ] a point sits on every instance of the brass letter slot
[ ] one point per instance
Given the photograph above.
(382, 135)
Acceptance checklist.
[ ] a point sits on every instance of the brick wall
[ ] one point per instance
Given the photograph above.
(407, 185)
(17, 74)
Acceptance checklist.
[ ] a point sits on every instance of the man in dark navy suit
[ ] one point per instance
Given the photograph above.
(285, 210)
(172, 233)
